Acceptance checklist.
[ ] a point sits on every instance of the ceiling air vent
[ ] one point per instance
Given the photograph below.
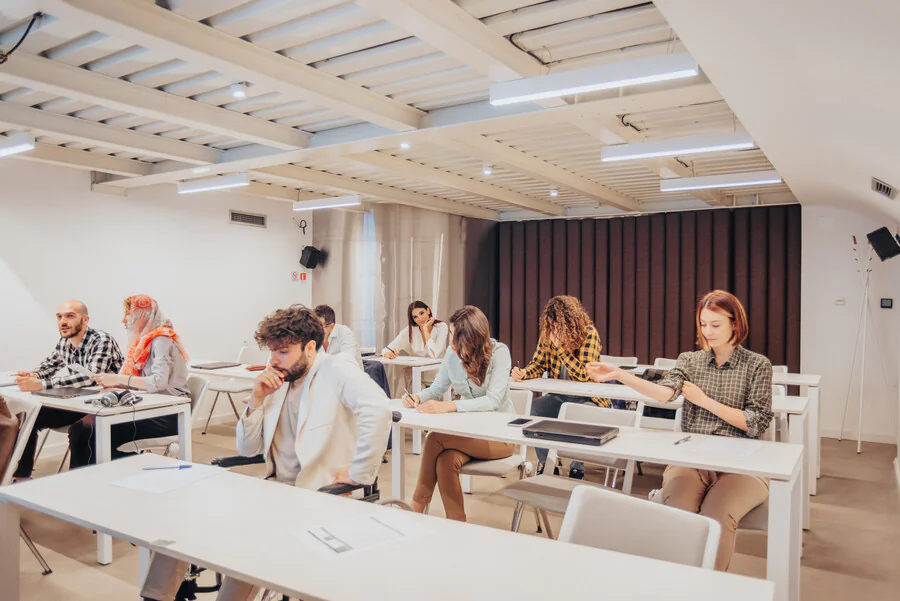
(248, 219)
(884, 189)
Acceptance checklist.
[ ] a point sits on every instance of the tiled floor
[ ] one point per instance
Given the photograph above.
(851, 553)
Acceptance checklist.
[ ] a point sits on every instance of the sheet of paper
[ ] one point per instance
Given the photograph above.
(7, 379)
(165, 481)
(362, 532)
(726, 445)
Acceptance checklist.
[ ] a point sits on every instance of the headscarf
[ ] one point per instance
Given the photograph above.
(139, 341)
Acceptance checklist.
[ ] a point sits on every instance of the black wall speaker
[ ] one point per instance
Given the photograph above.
(311, 257)
(885, 244)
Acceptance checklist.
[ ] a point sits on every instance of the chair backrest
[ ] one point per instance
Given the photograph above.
(768, 435)
(604, 519)
(250, 354)
(591, 414)
(779, 390)
(779, 369)
(613, 360)
(521, 401)
(663, 363)
(198, 386)
(30, 408)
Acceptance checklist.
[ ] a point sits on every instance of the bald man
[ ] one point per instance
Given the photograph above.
(96, 351)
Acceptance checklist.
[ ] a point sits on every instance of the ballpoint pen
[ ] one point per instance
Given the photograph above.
(169, 467)
(685, 439)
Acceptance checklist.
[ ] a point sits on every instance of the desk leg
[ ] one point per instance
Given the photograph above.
(398, 463)
(815, 439)
(798, 433)
(143, 565)
(104, 455)
(184, 433)
(416, 389)
(9, 551)
(784, 539)
(640, 414)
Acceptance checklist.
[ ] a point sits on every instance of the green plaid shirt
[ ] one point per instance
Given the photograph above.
(550, 358)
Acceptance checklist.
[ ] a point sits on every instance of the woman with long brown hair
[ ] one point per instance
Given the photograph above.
(568, 342)
(425, 336)
(728, 392)
(477, 368)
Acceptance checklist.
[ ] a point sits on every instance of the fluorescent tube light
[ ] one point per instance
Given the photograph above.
(222, 182)
(16, 144)
(725, 180)
(328, 203)
(591, 79)
(678, 146)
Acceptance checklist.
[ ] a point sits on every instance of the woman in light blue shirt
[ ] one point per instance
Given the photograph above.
(477, 368)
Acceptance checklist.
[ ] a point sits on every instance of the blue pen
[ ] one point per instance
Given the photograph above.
(169, 467)
(685, 439)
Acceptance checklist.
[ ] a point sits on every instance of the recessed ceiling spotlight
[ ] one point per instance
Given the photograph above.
(487, 170)
(554, 192)
(239, 89)
(404, 145)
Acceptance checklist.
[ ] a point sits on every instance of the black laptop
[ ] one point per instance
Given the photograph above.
(591, 434)
(218, 365)
(66, 392)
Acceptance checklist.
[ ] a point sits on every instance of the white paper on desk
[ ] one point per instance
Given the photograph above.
(7, 380)
(726, 445)
(361, 533)
(165, 481)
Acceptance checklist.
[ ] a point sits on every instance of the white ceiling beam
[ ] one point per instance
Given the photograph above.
(86, 86)
(148, 25)
(438, 177)
(497, 152)
(446, 26)
(469, 120)
(394, 195)
(108, 136)
(604, 127)
(82, 159)
(277, 192)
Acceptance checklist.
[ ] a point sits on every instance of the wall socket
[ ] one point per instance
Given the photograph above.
(840, 301)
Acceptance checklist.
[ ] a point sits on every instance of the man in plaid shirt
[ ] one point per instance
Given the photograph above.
(96, 351)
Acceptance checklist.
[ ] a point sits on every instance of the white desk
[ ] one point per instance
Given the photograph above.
(782, 463)
(152, 405)
(419, 366)
(809, 385)
(452, 561)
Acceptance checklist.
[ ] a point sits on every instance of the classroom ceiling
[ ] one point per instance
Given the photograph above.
(142, 91)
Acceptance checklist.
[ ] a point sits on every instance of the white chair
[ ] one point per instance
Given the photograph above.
(612, 360)
(607, 520)
(499, 468)
(169, 444)
(552, 493)
(247, 355)
(30, 408)
(662, 363)
(781, 424)
(758, 518)
(779, 369)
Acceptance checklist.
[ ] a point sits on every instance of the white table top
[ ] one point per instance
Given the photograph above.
(452, 561)
(406, 360)
(77, 404)
(773, 460)
(239, 372)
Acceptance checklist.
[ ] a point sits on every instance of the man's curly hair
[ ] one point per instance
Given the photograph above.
(566, 318)
(294, 325)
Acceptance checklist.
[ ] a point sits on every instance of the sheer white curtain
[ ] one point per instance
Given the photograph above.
(380, 261)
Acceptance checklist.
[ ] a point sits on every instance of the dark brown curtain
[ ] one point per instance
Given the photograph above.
(641, 277)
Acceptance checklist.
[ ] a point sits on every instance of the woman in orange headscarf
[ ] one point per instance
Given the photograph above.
(155, 362)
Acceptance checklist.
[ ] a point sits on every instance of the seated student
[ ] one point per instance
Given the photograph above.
(79, 344)
(728, 392)
(329, 424)
(155, 362)
(425, 336)
(477, 368)
(338, 337)
(568, 342)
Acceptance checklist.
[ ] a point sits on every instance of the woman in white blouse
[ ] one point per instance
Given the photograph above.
(425, 336)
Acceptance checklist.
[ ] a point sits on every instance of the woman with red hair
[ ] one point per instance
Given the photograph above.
(728, 392)
(155, 362)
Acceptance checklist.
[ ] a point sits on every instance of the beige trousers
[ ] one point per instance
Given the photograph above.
(166, 575)
(723, 497)
(442, 458)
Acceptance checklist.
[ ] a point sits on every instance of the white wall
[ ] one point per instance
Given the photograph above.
(829, 331)
(215, 280)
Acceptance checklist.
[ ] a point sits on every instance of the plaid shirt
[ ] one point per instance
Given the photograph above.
(743, 382)
(98, 352)
(550, 358)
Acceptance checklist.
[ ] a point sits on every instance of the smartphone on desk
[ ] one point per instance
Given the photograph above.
(520, 421)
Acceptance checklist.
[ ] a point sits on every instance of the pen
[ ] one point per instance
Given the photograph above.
(685, 439)
(169, 467)
(409, 395)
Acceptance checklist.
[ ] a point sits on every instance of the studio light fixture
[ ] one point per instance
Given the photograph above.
(239, 89)
(554, 192)
(591, 79)
(16, 144)
(678, 146)
(725, 180)
(328, 203)
(222, 182)
(487, 170)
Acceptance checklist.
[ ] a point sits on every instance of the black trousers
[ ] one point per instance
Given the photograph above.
(48, 417)
(82, 439)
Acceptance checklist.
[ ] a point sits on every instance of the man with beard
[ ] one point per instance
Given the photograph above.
(96, 351)
(345, 413)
